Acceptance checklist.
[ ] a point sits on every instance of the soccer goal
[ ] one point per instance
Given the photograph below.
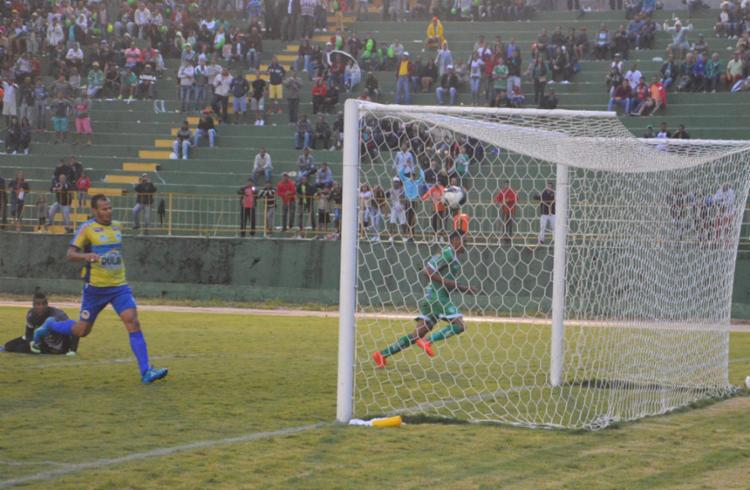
(595, 273)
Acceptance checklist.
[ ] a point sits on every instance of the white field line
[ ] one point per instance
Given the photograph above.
(738, 326)
(31, 463)
(155, 453)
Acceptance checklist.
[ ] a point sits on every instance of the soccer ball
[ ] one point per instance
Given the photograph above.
(747, 382)
(454, 197)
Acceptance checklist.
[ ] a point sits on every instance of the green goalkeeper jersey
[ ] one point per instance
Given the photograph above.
(449, 267)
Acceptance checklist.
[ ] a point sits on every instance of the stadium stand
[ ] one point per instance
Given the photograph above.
(135, 136)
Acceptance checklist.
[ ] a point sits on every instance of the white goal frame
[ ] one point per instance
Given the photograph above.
(350, 236)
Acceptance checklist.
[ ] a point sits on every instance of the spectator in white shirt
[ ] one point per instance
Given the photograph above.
(262, 166)
(142, 19)
(724, 202)
(75, 56)
(221, 86)
(633, 76)
(404, 160)
(324, 176)
(186, 74)
(55, 33)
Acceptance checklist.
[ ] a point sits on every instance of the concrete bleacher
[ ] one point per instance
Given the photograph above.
(130, 137)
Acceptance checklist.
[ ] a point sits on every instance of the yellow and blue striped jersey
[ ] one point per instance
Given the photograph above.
(106, 242)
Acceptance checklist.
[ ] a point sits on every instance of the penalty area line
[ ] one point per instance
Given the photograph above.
(157, 453)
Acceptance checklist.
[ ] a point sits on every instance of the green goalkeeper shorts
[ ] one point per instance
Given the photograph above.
(436, 310)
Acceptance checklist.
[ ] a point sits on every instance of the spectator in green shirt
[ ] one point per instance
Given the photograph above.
(499, 77)
(95, 80)
(712, 73)
(128, 83)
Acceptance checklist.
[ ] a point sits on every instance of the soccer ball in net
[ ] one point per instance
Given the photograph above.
(454, 197)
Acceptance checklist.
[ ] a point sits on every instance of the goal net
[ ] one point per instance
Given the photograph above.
(602, 266)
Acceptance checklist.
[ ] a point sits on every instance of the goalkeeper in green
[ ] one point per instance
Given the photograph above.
(441, 270)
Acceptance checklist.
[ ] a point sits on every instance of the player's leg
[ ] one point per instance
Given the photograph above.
(18, 345)
(79, 328)
(421, 329)
(424, 323)
(455, 327)
(124, 304)
(93, 301)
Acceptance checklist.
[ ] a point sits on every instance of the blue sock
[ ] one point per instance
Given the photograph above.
(64, 327)
(138, 344)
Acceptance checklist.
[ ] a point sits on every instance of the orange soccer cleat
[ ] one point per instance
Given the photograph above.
(426, 346)
(379, 359)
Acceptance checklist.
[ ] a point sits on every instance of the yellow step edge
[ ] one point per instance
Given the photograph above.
(193, 120)
(348, 19)
(142, 167)
(107, 191)
(121, 179)
(250, 77)
(163, 143)
(292, 47)
(321, 38)
(286, 57)
(153, 155)
(56, 229)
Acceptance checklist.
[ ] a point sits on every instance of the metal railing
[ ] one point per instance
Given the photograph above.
(220, 215)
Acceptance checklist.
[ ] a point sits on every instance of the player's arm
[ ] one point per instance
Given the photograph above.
(75, 255)
(436, 277)
(29, 333)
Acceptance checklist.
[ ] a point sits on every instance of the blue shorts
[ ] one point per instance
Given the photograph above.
(94, 300)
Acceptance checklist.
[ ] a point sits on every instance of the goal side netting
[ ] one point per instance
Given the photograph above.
(614, 305)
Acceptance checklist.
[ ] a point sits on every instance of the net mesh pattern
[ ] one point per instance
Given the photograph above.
(652, 234)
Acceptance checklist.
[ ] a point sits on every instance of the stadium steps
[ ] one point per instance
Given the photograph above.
(122, 129)
(140, 167)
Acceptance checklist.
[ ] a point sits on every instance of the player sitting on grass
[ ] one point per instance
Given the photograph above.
(35, 317)
(441, 270)
(98, 243)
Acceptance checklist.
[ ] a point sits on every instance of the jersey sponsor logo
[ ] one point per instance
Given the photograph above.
(103, 238)
(98, 229)
(116, 228)
(85, 314)
(118, 236)
(111, 260)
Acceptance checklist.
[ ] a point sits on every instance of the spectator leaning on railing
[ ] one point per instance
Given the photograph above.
(267, 199)
(287, 191)
(83, 184)
(63, 191)
(247, 207)
(305, 196)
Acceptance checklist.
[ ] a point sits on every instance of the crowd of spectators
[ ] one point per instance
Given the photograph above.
(688, 67)
(95, 52)
(312, 199)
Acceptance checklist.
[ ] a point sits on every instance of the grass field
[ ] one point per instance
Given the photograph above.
(249, 403)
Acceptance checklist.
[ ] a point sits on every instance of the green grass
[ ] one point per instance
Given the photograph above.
(232, 375)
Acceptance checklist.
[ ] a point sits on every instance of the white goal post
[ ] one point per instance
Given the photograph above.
(626, 314)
